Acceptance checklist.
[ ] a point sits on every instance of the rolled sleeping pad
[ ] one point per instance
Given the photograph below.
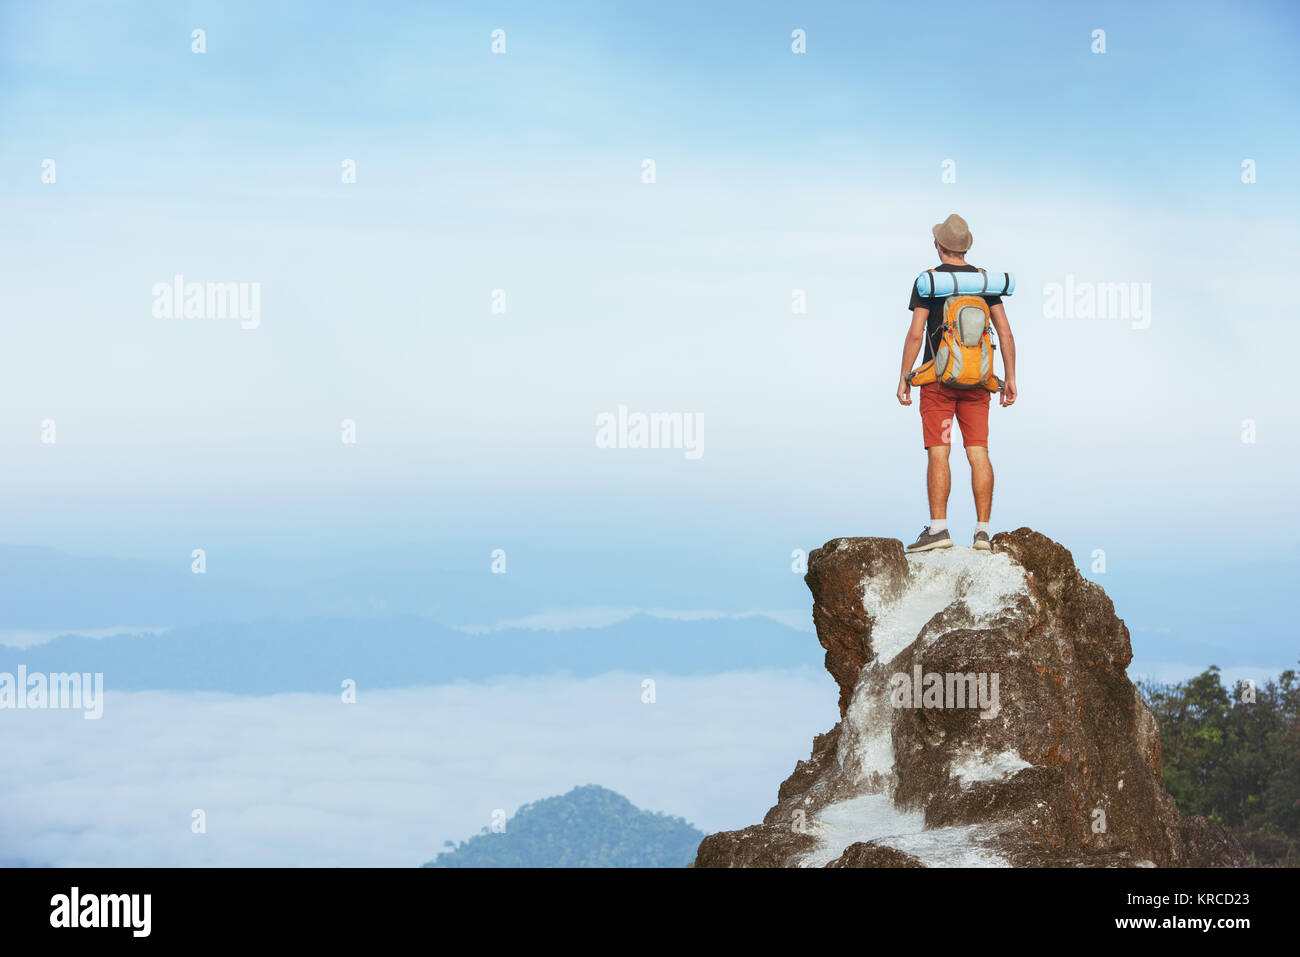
(989, 283)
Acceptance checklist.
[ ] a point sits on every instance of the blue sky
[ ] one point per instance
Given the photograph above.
(522, 171)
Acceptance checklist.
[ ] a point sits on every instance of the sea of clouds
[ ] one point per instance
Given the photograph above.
(306, 780)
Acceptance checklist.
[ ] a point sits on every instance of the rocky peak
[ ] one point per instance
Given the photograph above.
(986, 720)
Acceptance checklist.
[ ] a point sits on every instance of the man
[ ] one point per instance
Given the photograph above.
(941, 405)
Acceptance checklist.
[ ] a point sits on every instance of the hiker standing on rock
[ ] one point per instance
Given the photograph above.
(951, 319)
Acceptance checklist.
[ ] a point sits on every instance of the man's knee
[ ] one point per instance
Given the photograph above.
(938, 452)
(976, 454)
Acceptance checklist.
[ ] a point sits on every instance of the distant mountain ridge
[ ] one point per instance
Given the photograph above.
(590, 826)
(316, 654)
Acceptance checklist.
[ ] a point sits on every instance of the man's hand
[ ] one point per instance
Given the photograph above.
(1008, 392)
(904, 391)
(912, 347)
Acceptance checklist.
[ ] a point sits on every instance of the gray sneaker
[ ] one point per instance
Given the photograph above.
(929, 540)
(981, 543)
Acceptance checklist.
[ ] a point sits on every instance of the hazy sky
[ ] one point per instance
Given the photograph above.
(522, 172)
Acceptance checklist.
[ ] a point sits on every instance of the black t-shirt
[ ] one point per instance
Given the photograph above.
(934, 321)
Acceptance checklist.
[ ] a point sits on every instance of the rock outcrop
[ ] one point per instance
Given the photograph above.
(986, 720)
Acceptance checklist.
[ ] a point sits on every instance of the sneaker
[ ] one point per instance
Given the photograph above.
(930, 540)
(981, 543)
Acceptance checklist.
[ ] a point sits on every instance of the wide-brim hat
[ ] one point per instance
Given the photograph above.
(953, 234)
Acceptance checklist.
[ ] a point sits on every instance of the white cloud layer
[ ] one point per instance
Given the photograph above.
(602, 616)
(301, 779)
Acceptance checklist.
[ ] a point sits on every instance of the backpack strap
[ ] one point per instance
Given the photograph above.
(930, 273)
(986, 282)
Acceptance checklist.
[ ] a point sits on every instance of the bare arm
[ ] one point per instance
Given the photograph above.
(1008, 341)
(911, 349)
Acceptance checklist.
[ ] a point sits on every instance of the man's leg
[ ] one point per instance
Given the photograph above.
(973, 417)
(936, 433)
(938, 480)
(981, 480)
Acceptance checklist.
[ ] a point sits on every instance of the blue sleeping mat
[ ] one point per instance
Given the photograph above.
(931, 284)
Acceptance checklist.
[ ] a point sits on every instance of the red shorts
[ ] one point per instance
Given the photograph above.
(942, 405)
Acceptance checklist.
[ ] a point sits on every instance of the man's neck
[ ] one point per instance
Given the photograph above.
(952, 260)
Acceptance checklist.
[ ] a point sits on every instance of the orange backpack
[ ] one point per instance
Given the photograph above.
(965, 356)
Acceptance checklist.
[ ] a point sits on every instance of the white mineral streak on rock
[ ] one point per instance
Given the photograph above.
(971, 767)
(987, 584)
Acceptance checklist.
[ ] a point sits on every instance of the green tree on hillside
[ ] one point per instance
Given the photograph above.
(1234, 759)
